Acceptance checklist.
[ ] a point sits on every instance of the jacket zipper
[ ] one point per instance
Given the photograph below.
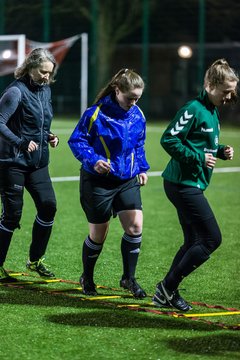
(41, 132)
(132, 160)
(123, 162)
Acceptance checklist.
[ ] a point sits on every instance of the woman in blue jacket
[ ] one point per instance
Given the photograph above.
(109, 142)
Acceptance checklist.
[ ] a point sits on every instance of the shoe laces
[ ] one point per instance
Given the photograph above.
(136, 288)
(40, 264)
(134, 284)
(179, 300)
(177, 295)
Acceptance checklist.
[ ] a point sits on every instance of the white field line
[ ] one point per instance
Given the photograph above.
(150, 129)
(150, 174)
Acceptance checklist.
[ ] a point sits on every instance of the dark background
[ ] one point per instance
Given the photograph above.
(170, 81)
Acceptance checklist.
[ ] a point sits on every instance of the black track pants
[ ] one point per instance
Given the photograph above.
(200, 229)
(38, 183)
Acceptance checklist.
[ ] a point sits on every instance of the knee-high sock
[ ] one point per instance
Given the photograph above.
(41, 232)
(130, 248)
(5, 240)
(90, 254)
(193, 258)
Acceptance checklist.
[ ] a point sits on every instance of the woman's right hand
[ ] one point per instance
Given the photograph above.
(102, 167)
(32, 146)
(210, 160)
(29, 146)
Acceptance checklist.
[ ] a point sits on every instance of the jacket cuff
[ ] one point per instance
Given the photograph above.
(24, 145)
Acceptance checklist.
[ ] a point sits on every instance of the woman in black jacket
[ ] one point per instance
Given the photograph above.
(25, 120)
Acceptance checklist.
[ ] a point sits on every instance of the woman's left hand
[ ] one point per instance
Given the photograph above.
(143, 178)
(102, 167)
(228, 152)
(53, 140)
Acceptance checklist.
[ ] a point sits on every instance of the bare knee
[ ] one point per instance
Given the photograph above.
(131, 221)
(98, 232)
(134, 229)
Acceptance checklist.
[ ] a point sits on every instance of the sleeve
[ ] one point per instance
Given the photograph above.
(81, 139)
(220, 152)
(8, 105)
(140, 150)
(174, 138)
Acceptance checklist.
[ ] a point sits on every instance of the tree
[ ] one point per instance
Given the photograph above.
(111, 21)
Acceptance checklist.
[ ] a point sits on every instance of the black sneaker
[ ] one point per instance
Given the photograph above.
(88, 287)
(40, 268)
(159, 299)
(134, 287)
(5, 277)
(166, 298)
(179, 300)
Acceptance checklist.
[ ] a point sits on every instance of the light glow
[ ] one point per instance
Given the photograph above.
(6, 54)
(185, 52)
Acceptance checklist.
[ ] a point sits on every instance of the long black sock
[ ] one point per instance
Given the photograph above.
(90, 254)
(192, 259)
(5, 240)
(130, 248)
(41, 232)
(178, 257)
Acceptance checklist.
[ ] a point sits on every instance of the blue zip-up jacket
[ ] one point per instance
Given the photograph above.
(25, 115)
(108, 132)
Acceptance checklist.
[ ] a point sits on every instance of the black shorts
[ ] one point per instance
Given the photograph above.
(101, 197)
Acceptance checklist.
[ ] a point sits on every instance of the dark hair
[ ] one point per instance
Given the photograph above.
(34, 60)
(126, 80)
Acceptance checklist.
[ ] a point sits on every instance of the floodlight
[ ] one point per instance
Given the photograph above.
(185, 52)
(6, 54)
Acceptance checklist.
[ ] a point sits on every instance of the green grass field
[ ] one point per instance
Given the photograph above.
(55, 321)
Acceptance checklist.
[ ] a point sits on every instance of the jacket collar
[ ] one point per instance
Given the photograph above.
(113, 106)
(204, 99)
(32, 85)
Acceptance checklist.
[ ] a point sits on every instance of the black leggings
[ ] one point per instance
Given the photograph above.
(39, 185)
(200, 229)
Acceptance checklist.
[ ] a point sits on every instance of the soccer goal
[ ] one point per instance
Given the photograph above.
(12, 52)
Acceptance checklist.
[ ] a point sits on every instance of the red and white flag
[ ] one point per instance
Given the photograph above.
(58, 48)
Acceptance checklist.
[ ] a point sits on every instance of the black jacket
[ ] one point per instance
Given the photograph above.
(30, 121)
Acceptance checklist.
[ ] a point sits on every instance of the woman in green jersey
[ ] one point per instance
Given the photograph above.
(192, 141)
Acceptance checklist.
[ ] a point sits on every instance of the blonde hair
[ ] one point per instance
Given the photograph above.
(219, 73)
(126, 80)
(34, 60)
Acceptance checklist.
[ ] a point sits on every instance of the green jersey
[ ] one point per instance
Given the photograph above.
(193, 132)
